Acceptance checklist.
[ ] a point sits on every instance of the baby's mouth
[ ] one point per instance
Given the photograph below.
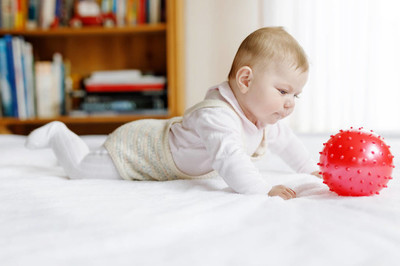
(280, 115)
(277, 116)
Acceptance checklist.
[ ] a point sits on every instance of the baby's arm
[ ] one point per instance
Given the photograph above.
(288, 146)
(220, 132)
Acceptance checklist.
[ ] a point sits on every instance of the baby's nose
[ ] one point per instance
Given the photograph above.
(289, 103)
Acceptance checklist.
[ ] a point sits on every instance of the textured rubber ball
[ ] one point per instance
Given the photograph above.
(356, 162)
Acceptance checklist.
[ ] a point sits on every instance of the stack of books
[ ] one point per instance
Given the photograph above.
(21, 14)
(124, 92)
(43, 89)
(29, 89)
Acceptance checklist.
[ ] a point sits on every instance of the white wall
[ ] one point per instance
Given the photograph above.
(214, 30)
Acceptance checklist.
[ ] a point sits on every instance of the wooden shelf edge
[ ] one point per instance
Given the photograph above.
(92, 124)
(80, 119)
(138, 29)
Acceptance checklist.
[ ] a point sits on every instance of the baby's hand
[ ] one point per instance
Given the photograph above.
(283, 192)
(316, 173)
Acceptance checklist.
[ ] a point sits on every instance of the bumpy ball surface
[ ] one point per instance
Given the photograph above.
(356, 163)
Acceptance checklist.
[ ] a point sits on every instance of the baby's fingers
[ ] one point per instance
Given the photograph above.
(283, 192)
(288, 194)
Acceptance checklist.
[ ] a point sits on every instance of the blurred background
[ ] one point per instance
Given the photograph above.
(97, 64)
(352, 45)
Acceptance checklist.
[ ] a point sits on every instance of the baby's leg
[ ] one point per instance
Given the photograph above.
(72, 152)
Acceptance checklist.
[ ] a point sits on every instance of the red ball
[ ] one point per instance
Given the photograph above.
(356, 163)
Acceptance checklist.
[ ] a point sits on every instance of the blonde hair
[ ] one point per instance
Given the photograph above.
(269, 44)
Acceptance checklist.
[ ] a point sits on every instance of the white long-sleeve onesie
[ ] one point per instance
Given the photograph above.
(212, 139)
(206, 139)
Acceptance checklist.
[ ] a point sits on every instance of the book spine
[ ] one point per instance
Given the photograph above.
(121, 12)
(131, 12)
(66, 12)
(105, 6)
(47, 13)
(1, 14)
(141, 11)
(58, 9)
(58, 90)
(29, 79)
(147, 11)
(11, 74)
(63, 108)
(19, 77)
(6, 97)
(7, 15)
(155, 11)
(163, 11)
(33, 14)
(114, 6)
(19, 14)
(46, 107)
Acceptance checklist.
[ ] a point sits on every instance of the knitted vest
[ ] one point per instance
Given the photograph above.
(140, 149)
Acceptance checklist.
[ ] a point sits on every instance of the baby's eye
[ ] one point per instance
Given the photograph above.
(296, 96)
(283, 92)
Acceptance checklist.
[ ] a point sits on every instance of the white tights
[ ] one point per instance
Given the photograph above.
(73, 153)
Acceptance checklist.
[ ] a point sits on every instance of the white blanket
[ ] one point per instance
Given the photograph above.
(47, 219)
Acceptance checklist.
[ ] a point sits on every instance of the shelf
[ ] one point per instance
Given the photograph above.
(79, 119)
(80, 125)
(139, 29)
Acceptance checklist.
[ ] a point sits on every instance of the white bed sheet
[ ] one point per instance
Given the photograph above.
(46, 219)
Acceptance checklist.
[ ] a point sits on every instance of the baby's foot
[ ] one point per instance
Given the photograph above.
(40, 138)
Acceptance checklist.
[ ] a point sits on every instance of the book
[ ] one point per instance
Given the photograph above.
(120, 12)
(124, 103)
(131, 12)
(46, 105)
(154, 11)
(19, 14)
(6, 98)
(163, 15)
(124, 87)
(28, 65)
(47, 13)
(19, 77)
(106, 6)
(58, 82)
(67, 9)
(11, 75)
(1, 106)
(7, 14)
(33, 14)
(50, 87)
(123, 81)
(141, 12)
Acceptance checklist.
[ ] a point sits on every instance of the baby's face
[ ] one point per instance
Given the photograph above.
(272, 93)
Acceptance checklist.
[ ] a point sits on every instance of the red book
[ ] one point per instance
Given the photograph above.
(124, 87)
(142, 12)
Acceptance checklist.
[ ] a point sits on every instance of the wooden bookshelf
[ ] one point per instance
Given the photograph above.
(148, 47)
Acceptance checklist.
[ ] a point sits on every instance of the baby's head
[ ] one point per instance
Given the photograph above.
(266, 45)
(269, 70)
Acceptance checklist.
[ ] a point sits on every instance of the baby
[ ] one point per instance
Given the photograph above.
(221, 135)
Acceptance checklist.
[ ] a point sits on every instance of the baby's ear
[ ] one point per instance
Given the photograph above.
(244, 77)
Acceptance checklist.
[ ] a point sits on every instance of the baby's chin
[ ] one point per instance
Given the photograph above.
(272, 120)
(260, 124)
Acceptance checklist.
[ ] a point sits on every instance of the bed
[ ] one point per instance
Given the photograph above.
(47, 219)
